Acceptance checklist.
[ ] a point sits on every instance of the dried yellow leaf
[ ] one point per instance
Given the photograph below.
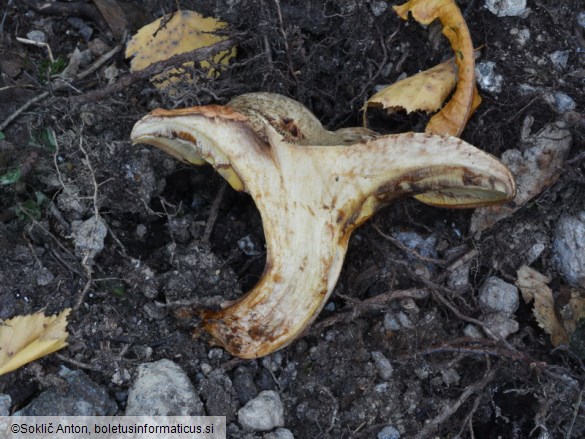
(26, 338)
(182, 31)
(425, 91)
(454, 115)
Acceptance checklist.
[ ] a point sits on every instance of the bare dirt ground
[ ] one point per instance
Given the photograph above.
(174, 234)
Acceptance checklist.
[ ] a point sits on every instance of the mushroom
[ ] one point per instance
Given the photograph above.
(313, 187)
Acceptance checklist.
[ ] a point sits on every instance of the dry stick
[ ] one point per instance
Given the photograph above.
(360, 308)
(96, 65)
(449, 409)
(575, 412)
(286, 48)
(213, 213)
(154, 69)
(78, 363)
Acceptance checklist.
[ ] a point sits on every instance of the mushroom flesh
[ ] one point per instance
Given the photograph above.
(313, 187)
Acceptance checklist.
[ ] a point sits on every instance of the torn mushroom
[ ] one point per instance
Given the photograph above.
(313, 187)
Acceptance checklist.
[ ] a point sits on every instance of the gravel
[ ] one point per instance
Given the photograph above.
(506, 8)
(497, 295)
(569, 247)
(163, 389)
(262, 413)
(382, 364)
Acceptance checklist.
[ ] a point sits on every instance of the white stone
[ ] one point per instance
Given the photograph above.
(262, 413)
(498, 295)
(506, 8)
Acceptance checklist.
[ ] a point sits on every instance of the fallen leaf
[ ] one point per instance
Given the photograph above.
(114, 16)
(534, 288)
(183, 31)
(454, 115)
(26, 338)
(535, 167)
(425, 91)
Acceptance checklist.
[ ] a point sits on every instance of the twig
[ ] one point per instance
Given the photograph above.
(213, 213)
(450, 408)
(406, 249)
(286, 48)
(575, 412)
(198, 55)
(38, 44)
(360, 308)
(78, 363)
(24, 107)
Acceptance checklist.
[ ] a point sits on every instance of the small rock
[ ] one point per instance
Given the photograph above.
(89, 237)
(534, 252)
(506, 8)
(424, 246)
(155, 311)
(383, 365)
(5, 402)
(378, 8)
(498, 295)
(78, 396)
(120, 377)
(450, 377)
(389, 432)
(280, 433)
(272, 362)
(141, 231)
(472, 331)
(37, 35)
(391, 322)
(262, 413)
(458, 279)
(44, 277)
(487, 78)
(560, 101)
(162, 388)
(522, 35)
(569, 247)
(560, 58)
(581, 19)
(248, 247)
(501, 324)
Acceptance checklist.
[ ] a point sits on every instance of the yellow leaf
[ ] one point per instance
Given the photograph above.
(454, 115)
(26, 338)
(425, 91)
(183, 31)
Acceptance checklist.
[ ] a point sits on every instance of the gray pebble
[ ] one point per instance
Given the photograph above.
(378, 8)
(44, 277)
(487, 78)
(581, 19)
(382, 364)
(389, 432)
(5, 402)
(162, 388)
(569, 247)
(450, 377)
(498, 295)
(79, 396)
(501, 324)
(262, 413)
(472, 331)
(37, 35)
(506, 8)
(560, 101)
(560, 58)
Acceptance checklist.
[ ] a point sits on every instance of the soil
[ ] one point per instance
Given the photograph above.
(177, 235)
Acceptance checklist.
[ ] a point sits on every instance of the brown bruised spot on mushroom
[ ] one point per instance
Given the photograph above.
(313, 187)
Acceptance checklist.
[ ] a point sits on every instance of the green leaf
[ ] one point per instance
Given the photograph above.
(2, 136)
(10, 177)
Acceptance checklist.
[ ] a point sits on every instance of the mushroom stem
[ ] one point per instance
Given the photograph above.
(311, 197)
